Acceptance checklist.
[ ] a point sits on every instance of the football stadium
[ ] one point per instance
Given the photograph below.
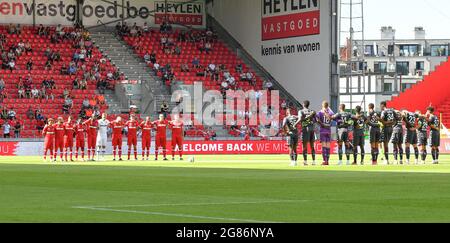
(219, 111)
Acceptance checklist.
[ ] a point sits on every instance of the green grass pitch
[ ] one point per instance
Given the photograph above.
(235, 189)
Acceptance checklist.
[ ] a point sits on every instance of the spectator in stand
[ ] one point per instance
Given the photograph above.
(196, 62)
(17, 129)
(153, 58)
(35, 93)
(75, 84)
(21, 92)
(268, 85)
(72, 69)
(64, 70)
(30, 64)
(48, 65)
(147, 58)
(208, 47)
(68, 105)
(40, 124)
(30, 113)
(145, 28)
(101, 100)
(178, 50)
(156, 68)
(83, 84)
(6, 130)
(185, 68)
(165, 108)
(12, 65)
(2, 84)
(11, 114)
(86, 103)
(28, 47)
(4, 113)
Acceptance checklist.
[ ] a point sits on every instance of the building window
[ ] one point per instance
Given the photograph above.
(439, 50)
(420, 66)
(409, 50)
(370, 51)
(391, 50)
(402, 68)
(387, 87)
(406, 86)
(380, 67)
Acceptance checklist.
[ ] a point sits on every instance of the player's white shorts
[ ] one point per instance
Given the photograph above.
(102, 141)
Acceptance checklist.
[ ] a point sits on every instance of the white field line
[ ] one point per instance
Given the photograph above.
(193, 204)
(113, 209)
(174, 215)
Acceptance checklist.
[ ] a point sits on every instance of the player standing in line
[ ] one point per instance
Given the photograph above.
(422, 136)
(80, 143)
(92, 126)
(308, 119)
(177, 136)
(375, 133)
(324, 118)
(68, 138)
(388, 120)
(397, 137)
(359, 122)
(132, 126)
(146, 128)
(161, 136)
(435, 135)
(290, 124)
(59, 138)
(411, 135)
(344, 120)
(117, 130)
(102, 136)
(49, 139)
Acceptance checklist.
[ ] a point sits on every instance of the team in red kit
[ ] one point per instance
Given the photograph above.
(69, 138)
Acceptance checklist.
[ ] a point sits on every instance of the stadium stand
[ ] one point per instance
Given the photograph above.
(64, 67)
(433, 90)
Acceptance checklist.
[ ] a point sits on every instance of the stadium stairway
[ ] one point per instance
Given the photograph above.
(432, 90)
(131, 65)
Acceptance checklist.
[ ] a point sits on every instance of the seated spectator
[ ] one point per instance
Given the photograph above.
(185, 68)
(72, 69)
(2, 84)
(21, 92)
(196, 62)
(17, 129)
(30, 64)
(64, 70)
(40, 123)
(75, 84)
(178, 50)
(83, 84)
(12, 65)
(11, 114)
(30, 113)
(268, 85)
(6, 130)
(147, 58)
(101, 100)
(86, 103)
(35, 93)
(48, 65)
(208, 48)
(156, 68)
(28, 47)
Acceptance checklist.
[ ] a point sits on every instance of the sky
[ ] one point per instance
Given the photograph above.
(404, 15)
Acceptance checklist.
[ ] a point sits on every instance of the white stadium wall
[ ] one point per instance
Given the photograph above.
(291, 39)
(52, 12)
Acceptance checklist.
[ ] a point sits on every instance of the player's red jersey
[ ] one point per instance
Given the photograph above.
(92, 133)
(49, 131)
(91, 126)
(69, 133)
(49, 134)
(161, 128)
(80, 130)
(117, 128)
(132, 132)
(132, 128)
(60, 131)
(146, 128)
(177, 128)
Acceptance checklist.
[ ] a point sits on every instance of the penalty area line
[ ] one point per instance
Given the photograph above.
(174, 215)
